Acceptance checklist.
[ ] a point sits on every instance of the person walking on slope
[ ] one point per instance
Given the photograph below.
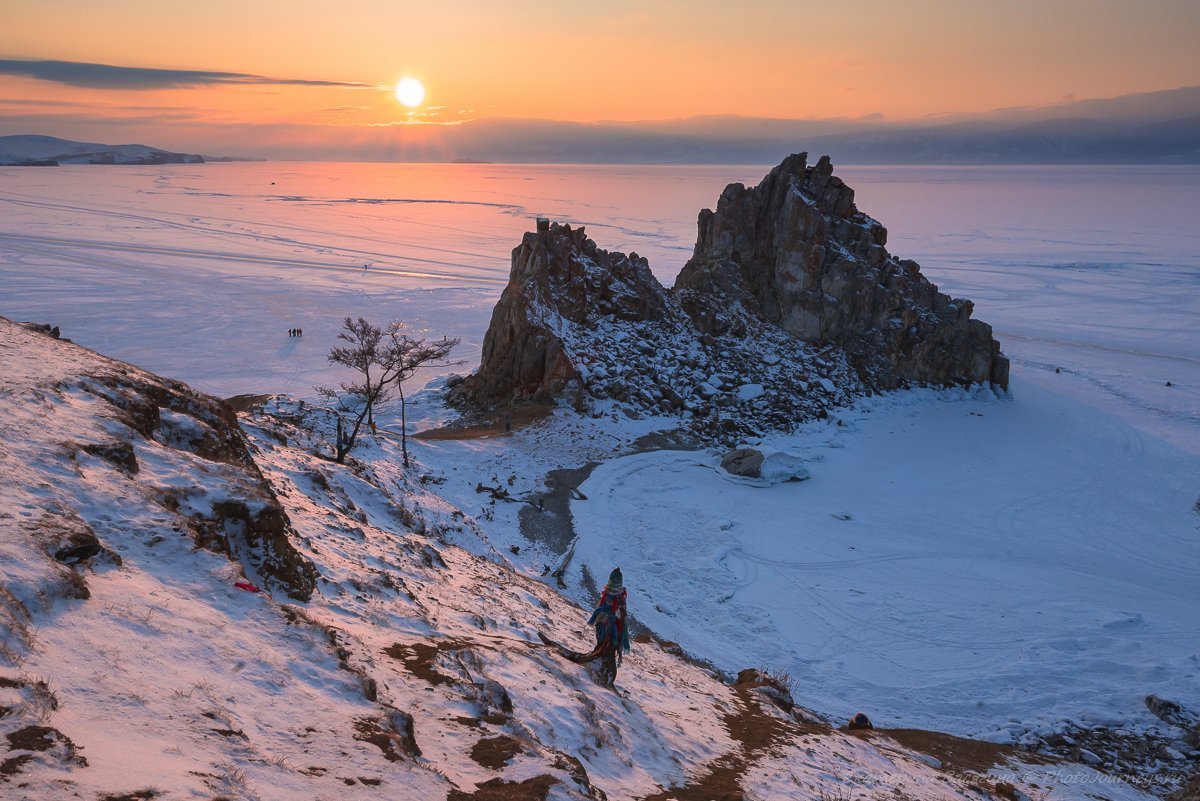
(612, 636)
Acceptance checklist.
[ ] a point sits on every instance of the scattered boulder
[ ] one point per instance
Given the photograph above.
(860, 721)
(745, 462)
(75, 554)
(392, 734)
(780, 467)
(119, 453)
(43, 328)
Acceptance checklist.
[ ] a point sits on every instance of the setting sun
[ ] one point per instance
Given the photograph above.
(410, 92)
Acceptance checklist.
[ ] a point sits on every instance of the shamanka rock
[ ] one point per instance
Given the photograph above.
(789, 306)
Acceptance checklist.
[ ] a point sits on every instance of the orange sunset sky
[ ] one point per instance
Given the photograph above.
(570, 61)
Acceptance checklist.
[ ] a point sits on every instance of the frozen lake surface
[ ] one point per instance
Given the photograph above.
(1031, 558)
(197, 271)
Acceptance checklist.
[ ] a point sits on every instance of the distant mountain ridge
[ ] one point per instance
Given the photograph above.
(1145, 128)
(1160, 127)
(36, 149)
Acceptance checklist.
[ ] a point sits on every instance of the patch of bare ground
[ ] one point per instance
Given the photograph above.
(393, 735)
(419, 659)
(492, 426)
(757, 732)
(230, 733)
(244, 403)
(955, 753)
(37, 739)
(495, 752)
(12, 766)
(535, 789)
(136, 795)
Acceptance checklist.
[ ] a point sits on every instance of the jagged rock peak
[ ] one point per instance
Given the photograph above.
(796, 251)
(558, 276)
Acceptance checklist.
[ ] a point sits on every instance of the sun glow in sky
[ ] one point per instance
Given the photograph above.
(410, 92)
(295, 76)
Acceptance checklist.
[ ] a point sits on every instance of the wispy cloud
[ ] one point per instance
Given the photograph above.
(41, 103)
(107, 76)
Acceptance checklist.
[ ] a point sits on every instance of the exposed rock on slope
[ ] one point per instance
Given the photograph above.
(796, 251)
(789, 304)
(142, 428)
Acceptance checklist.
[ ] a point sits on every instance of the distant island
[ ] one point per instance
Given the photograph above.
(34, 150)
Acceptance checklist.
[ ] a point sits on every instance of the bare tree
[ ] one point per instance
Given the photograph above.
(409, 356)
(379, 358)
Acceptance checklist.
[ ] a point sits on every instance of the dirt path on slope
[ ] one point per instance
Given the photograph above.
(757, 733)
(550, 522)
(493, 426)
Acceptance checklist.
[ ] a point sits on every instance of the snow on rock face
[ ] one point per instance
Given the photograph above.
(797, 252)
(597, 328)
(558, 279)
(780, 467)
(771, 468)
(778, 270)
(124, 430)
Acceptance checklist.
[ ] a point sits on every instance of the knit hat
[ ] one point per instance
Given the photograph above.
(614, 579)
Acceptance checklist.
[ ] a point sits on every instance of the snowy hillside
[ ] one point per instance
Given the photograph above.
(24, 148)
(144, 670)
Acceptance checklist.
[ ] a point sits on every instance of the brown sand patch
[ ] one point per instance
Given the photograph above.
(493, 426)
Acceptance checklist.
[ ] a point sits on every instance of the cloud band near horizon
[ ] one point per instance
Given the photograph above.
(107, 76)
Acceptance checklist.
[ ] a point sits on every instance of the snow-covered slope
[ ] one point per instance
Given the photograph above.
(23, 148)
(413, 671)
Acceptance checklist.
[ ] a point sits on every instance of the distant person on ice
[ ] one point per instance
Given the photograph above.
(612, 638)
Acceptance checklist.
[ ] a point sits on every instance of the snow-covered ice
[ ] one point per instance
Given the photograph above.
(955, 560)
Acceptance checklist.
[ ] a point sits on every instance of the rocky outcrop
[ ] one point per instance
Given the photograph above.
(597, 329)
(84, 415)
(796, 251)
(789, 305)
(558, 275)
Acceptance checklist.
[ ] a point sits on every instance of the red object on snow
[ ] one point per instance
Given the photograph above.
(247, 586)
